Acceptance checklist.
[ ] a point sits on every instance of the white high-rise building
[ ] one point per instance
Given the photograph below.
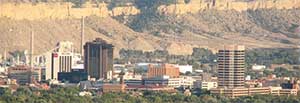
(60, 60)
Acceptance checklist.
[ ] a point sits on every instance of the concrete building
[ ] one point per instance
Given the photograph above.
(24, 74)
(106, 88)
(61, 60)
(231, 66)
(163, 70)
(237, 92)
(98, 59)
(150, 88)
(170, 82)
(258, 67)
(185, 68)
(205, 84)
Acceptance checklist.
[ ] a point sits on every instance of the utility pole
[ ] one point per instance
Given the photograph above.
(82, 36)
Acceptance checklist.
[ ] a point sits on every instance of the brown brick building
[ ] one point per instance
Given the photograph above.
(163, 69)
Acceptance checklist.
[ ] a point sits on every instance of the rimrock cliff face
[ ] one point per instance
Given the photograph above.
(65, 10)
(31, 11)
(198, 23)
(195, 6)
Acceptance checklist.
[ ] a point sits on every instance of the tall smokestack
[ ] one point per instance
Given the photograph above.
(82, 36)
(31, 48)
(30, 76)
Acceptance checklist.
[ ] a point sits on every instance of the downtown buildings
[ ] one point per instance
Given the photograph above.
(98, 62)
(231, 76)
(98, 59)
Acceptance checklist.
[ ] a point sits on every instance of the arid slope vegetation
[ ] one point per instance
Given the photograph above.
(149, 30)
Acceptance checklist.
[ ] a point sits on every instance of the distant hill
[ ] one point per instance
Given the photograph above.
(150, 30)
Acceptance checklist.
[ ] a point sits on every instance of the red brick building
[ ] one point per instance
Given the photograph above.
(163, 69)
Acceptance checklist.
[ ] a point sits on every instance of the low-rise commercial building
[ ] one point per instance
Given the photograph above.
(24, 74)
(149, 88)
(162, 70)
(106, 88)
(185, 68)
(75, 76)
(237, 92)
(184, 81)
(205, 84)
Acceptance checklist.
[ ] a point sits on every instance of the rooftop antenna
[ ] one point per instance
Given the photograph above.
(82, 36)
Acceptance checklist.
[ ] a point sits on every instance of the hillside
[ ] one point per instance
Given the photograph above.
(271, 25)
(150, 30)
(16, 34)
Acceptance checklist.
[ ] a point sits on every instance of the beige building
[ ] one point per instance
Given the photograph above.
(113, 88)
(183, 81)
(205, 84)
(24, 74)
(237, 92)
(231, 66)
(280, 91)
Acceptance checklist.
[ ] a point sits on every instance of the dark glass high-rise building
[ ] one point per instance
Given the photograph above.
(98, 59)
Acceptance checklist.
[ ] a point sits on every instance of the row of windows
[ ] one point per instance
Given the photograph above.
(231, 50)
(65, 63)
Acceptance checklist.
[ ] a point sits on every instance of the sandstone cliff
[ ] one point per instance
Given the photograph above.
(200, 24)
(38, 11)
(195, 6)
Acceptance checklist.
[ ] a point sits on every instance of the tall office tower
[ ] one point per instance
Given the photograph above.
(231, 66)
(61, 60)
(98, 59)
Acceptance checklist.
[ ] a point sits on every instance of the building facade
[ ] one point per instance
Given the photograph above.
(98, 59)
(207, 85)
(231, 66)
(75, 76)
(170, 82)
(237, 92)
(163, 70)
(61, 60)
(185, 68)
(24, 74)
(106, 88)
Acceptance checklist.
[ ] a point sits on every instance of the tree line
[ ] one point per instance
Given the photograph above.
(263, 56)
(70, 95)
